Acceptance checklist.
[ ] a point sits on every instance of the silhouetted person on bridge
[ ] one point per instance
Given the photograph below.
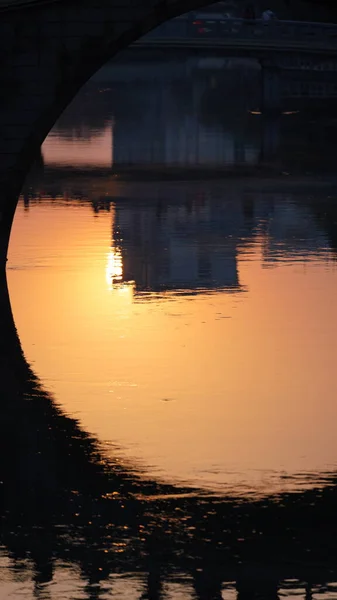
(268, 15)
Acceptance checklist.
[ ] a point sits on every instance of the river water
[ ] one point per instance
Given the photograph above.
(172, 274)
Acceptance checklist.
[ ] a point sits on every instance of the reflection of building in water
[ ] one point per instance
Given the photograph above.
(292, 234)
(174, 246)
(194, 242)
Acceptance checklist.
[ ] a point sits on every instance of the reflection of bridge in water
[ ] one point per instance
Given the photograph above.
(63, 503)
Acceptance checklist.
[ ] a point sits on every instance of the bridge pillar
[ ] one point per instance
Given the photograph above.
(271, 100)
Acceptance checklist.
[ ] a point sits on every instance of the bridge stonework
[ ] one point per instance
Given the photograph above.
(48, 50)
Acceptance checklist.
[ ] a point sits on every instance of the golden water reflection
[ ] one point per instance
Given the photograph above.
(114, 268)
(212, 369)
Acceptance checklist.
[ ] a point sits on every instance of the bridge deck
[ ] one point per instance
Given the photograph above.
(240, 44)
(280, 36)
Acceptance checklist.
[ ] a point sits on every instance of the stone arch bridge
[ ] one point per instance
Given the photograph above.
(50, 48)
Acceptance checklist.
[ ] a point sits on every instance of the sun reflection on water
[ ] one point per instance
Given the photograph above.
(114, 273)
(114, 267)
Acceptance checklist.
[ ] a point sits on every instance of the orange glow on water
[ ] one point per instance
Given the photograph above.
(209, 388)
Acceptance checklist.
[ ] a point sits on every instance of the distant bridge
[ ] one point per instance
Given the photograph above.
(238, 36)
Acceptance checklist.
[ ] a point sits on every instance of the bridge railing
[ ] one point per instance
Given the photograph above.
(248, 29)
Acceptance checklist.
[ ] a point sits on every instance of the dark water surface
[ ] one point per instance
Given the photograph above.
(173, 275)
